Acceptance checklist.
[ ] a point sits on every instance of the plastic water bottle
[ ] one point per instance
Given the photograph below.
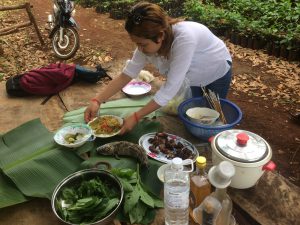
(176, 192)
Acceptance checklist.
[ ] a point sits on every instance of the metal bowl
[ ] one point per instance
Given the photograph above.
(75, 179)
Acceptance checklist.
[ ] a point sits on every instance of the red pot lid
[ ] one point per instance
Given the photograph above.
(242, 146)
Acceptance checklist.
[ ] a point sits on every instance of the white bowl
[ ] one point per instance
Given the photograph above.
(161, 172)
(61, 135)
(94, 131)
(202, 115)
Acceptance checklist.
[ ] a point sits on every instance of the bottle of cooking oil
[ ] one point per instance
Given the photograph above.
(200, 187)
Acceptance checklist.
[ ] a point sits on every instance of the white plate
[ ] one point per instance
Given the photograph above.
(106, 135)
(136, 88)
(143, 141)
(59, 136)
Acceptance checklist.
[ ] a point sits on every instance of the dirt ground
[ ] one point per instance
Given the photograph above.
(265, 115)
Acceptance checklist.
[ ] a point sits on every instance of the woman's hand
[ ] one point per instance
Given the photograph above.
(129, 124)
(132, 120)
(91, 111)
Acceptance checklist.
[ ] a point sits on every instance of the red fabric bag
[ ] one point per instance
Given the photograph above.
(48, 80)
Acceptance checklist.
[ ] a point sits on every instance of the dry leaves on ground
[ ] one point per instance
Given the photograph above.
(279, 81)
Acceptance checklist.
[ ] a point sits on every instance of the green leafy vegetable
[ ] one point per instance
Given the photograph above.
(88, 202)
(139, 204)
(138, 212)
(145, 197)
(131, 199)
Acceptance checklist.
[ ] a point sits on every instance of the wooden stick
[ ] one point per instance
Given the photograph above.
(12, 29)
(214, 98)
(207, 97)
(15, 27)
(32, 20)
(13, 7)
(222, 114)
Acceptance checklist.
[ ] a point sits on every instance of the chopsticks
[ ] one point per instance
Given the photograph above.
(214, 102)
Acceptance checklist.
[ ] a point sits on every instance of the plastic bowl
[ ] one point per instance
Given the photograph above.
(202, 115)
(231, 111)
(61, 135)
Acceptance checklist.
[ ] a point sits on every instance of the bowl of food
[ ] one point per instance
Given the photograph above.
(106, 126)
(73, 136)
(202, 115)
(90, 196)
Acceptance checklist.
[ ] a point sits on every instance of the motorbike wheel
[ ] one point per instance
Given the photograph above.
(69, 45)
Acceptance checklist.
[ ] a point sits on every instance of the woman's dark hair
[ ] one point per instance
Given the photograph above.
(147, 20)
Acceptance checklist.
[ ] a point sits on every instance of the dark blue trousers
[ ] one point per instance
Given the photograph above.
(220, 86)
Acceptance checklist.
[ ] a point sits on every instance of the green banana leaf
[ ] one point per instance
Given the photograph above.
(10, 194)
(33, 161)
(121, 107)
(148, 174)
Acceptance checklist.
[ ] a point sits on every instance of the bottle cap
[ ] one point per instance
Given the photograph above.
(177, 163)
(201, 161)
(220, 175)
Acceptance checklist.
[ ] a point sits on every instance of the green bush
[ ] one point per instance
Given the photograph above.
(266, 19)
(278, 20)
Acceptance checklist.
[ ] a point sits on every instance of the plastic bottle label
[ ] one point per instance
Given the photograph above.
(177, 200)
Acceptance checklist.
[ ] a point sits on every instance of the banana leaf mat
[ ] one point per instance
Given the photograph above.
(32, 164)
(120, 107)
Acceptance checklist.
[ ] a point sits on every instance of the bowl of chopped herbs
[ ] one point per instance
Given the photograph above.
(90, 196)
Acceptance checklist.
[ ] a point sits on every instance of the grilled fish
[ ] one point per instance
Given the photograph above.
(124, 148)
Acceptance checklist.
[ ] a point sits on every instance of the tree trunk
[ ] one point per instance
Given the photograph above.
(283, 52)
(250, 43)
(293, 55)
(244, 41)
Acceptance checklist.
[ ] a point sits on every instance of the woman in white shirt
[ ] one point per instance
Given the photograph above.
(179, 49)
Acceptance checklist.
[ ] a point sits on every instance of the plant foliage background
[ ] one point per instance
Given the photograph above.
(278, 20)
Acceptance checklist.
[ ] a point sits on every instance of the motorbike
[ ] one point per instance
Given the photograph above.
(63, 29)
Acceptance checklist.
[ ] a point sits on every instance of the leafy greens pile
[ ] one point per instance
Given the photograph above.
(89, 202)
(139, 204)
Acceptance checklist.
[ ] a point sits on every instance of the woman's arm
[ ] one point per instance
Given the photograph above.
(133, 119)
(112, 88)
(147, 109)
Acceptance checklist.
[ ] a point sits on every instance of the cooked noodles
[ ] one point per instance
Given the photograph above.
(105, 125)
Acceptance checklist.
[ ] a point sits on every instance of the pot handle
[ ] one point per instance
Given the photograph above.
(270, 166)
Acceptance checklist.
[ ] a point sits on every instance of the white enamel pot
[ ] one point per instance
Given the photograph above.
(249, 153)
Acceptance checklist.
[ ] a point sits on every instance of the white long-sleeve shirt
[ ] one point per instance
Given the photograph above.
(196, 53)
